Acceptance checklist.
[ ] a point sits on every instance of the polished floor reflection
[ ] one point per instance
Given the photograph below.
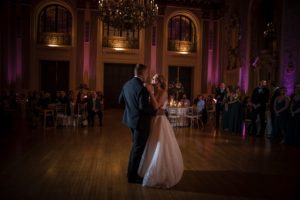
(91, 162)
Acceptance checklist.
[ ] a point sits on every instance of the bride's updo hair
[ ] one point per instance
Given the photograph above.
(161, 80)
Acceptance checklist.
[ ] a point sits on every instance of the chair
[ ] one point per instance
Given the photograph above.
(72, 117)
(81, 116)
(46, 114)
(60, 115)
(173, 116)
(194, 117)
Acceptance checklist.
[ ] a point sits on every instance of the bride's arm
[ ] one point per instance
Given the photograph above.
(157, 102)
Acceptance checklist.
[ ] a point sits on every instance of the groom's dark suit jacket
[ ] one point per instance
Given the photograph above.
(138, 109)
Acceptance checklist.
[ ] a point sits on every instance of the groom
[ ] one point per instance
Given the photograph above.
(137, 115)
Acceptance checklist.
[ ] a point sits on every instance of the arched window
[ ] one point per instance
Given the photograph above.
(116, 38)
(181, 34)
(55, 26)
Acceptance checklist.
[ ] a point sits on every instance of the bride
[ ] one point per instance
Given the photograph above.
(161, 165)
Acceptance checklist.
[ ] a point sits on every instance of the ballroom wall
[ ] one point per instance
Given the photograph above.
(229, 40)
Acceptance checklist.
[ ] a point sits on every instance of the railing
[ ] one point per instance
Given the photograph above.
(181, 46)
(51, 38)
(120, 42)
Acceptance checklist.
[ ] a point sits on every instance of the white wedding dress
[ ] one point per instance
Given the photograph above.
(161, 165)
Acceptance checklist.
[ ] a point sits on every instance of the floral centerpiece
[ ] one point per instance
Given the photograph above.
(83, 87)
(175, 89)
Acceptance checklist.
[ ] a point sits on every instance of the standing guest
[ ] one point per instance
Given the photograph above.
(275, 92)
(247, 113)
(281, 105)
(94, 107)
(101, 98)
(220, 94)
(293, 133)
(226, 109)
(236, 114)
(260, 98)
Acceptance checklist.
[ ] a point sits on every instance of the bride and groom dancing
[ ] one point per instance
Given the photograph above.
(155, 159)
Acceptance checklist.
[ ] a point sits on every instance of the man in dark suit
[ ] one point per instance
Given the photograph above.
(260, 98)
(94, 106)
(219, 96)
(137, 115)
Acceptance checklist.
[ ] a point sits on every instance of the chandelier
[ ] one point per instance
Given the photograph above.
(128, 14)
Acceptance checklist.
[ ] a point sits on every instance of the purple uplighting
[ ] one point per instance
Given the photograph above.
(244, 79)
(289, 75)
(289, 81)
(19, 59)
(210, 67)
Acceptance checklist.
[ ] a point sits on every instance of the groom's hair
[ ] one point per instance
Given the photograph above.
(139, 69)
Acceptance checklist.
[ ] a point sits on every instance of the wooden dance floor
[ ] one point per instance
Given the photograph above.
(90, 163)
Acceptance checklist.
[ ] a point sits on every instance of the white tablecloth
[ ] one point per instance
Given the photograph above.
(181, 112)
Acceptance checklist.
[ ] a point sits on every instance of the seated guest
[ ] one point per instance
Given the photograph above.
(184, 101)
(200, 104)
(210, 104)
(57, 97)
(80, 103)
(80, 108)
(63, 98)
(196, 99)
(44, 100)
(201, 109)
(94, 107)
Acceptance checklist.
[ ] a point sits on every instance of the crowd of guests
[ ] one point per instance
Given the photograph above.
(88, 106)
(268, 111)
(85, 104)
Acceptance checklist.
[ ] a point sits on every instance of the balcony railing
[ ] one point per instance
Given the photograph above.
(181, 46)
(120, 42)
(51, 38)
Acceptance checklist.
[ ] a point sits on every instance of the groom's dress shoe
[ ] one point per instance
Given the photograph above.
(137, 180)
